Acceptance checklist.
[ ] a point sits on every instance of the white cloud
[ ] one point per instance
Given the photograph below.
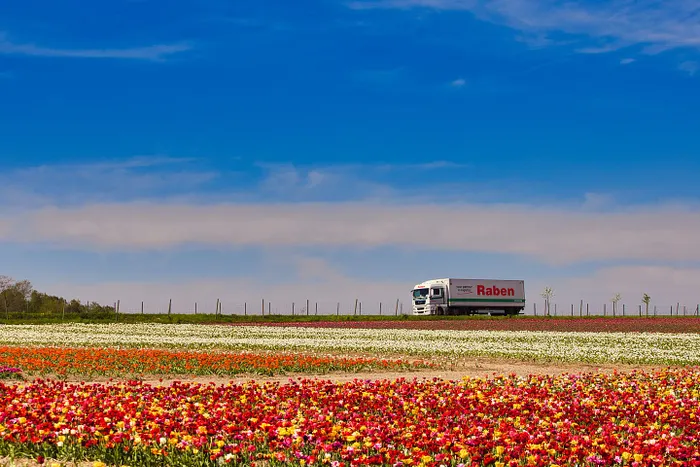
(152, 52)
(100, 181)
(319, 282)
(550, 234)
(666, 285)
(295, 183)
(316, 281)
(627, 61)
(597, 201)
(458, 83)
(613, 25)
(690, 67)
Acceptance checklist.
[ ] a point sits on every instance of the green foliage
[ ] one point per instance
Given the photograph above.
(20, 303)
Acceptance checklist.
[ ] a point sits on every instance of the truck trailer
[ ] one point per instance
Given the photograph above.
(469, 296)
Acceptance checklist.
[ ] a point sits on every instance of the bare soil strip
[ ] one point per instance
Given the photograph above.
(468, 367)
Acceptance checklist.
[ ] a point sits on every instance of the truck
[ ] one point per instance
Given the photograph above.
(468, 296)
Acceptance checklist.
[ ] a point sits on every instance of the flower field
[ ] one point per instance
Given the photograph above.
(631, 348)
(666, 324)
(89, 362)
(638, 419)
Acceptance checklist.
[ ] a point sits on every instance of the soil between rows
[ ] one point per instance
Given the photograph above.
(468, 367)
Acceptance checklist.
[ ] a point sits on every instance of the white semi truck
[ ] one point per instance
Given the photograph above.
(468, 296)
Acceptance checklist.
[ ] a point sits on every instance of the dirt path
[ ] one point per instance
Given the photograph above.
(472, 367)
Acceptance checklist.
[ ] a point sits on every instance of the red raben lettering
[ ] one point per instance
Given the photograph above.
(482, 290)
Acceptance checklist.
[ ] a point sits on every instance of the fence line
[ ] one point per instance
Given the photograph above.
(395, 307)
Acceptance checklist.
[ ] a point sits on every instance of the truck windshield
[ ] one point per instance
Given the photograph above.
(418, 293)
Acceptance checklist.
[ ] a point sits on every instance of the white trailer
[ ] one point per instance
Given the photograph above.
(468, 296)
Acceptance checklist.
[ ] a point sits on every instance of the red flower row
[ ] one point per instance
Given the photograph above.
(637, 419)
(668, 324)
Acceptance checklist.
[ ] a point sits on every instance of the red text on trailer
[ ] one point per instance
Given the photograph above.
(495, 291)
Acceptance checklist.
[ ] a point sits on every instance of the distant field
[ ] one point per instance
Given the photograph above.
(543, 346)
(595, 324)
(343, 394)
(665, 324)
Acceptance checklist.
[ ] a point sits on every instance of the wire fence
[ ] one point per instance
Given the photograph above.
(386, 308)
(610, 309)
(265, 307)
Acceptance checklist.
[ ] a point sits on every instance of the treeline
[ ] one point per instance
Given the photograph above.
(19, 300)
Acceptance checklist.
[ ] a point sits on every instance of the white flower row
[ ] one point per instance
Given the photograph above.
(654, 348)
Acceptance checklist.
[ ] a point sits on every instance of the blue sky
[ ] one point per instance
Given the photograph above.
(339, 149)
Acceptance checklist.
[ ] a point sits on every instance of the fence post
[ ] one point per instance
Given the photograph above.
(671, 310)
(572, 309)
(355, 312)
(316, 309)
(360, 308)
(216, 312)
(262, 311)
(195, 308)
(269, 308)
(307, 307)
(337, 309)
(292, 308)
(623, 309)
(245, 308)
(580, 309)
(640, 311)
(380, 308)
(605, 309)
(683, 310)
(677, 306)
(397, 307)
(64, 310)
(534, 308)
(654, 310)
(587, 312)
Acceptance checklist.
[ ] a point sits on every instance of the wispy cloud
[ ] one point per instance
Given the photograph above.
(666, 285)
(324, 283)
(311, 278)
(690, 67)
(458, 83)
(548, 234)
(627, 61)
(657, 26)
(156, 52)
(137, 177)
(343, 182)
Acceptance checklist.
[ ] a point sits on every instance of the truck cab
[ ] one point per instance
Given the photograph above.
(429, 298)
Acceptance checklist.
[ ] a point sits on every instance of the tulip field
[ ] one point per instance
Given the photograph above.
(54, 411)
(546, 346)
